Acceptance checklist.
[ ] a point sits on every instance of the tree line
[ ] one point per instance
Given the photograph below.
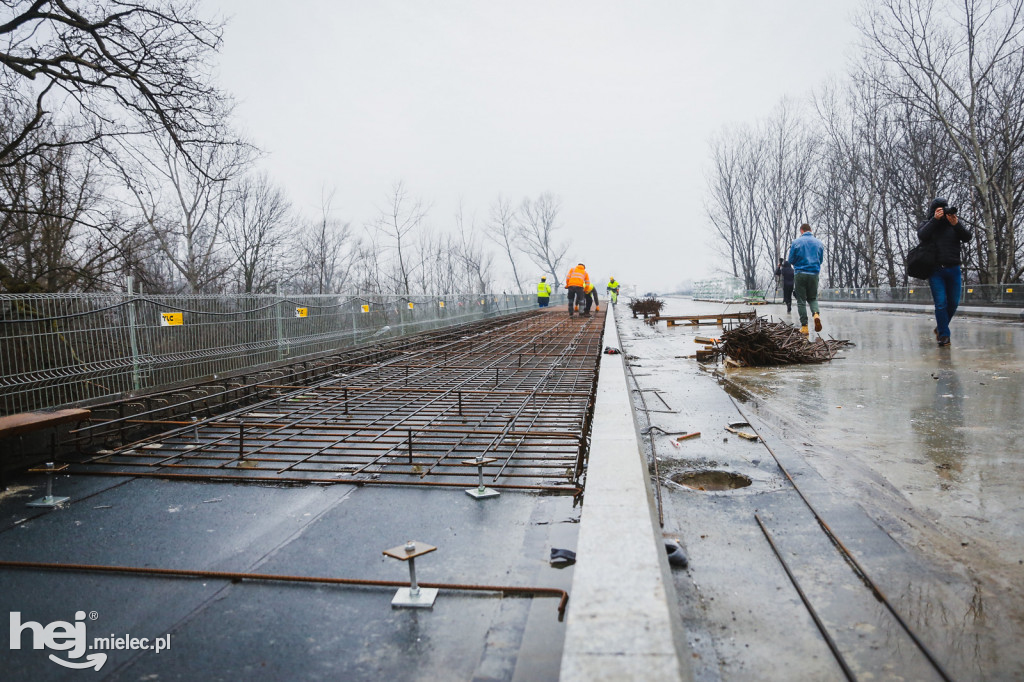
(117, 159)
(932, 106)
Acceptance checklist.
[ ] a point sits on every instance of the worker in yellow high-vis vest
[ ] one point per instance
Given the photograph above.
(590, 296)
(543, 293)
(613, 290)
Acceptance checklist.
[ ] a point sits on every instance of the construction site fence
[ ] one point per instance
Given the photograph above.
(65, 349)
(999, 295)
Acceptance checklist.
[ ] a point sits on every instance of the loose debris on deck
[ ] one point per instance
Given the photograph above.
(646, 306)
(760, 343)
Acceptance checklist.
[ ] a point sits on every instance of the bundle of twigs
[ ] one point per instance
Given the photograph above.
(759, 343)
(646, 306)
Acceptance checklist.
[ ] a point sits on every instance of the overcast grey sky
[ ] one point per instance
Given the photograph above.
(607, 104)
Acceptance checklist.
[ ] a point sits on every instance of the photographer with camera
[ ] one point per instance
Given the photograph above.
(785, 271)
(944, 231)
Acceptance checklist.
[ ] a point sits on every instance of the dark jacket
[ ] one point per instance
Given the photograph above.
(786, 272)
(946, 237)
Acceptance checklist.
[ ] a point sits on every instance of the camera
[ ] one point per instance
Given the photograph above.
(951, 210)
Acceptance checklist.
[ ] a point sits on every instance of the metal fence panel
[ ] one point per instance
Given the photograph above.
(61, 349)
(997, 295)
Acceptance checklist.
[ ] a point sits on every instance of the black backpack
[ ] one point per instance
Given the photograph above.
(922, 260)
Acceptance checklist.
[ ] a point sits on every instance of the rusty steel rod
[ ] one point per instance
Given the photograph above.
(807, 604)
(563, 596)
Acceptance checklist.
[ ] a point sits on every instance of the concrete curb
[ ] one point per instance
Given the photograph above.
(622, 622)
(973, 311)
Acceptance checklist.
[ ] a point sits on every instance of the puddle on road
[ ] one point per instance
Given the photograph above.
(711, 481)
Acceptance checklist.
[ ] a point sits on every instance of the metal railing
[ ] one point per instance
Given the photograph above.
(1000, 295)
(719, 289)
(62, 349)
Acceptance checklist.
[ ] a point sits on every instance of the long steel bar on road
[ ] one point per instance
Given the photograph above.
(563, 596)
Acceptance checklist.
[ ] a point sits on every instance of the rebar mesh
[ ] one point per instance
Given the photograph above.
(520, 393)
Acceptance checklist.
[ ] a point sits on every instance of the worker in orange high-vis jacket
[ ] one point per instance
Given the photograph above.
(575, 281)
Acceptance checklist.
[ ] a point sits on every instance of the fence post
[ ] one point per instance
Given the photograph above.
(132, 337)
(280, 322)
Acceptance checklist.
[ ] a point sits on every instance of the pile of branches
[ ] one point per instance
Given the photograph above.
(646, 306)
(759, 343)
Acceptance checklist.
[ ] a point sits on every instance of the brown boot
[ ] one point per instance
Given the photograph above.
(817, 323)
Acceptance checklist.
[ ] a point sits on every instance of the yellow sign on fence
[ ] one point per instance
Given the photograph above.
(440, 304)
(410, 305)
(302, 312)
(172, 319)
(365, 308)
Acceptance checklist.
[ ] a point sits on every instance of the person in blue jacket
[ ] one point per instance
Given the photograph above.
(805, 255)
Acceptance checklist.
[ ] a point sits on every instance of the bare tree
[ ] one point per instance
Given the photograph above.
(435, 265)
(397, 222)
(503, 230)
(327, 254)
(537, 223)
(185, 204)
(53, 221)
(789, 164)
(962, 65)
(476, 262)
(256, 232)
(723, 205)
(739, 186)
(107, 67)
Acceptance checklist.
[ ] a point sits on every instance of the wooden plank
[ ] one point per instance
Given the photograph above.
(706, 318)
(14, 424)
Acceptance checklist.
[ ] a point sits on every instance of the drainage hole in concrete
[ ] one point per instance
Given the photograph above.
(711, 480)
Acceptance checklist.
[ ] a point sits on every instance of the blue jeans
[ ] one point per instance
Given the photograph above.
(945, 284)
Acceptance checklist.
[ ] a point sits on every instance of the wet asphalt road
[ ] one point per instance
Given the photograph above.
(222, 630)
(912, 455)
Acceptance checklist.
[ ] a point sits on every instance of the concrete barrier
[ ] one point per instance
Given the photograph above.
(623, 622)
